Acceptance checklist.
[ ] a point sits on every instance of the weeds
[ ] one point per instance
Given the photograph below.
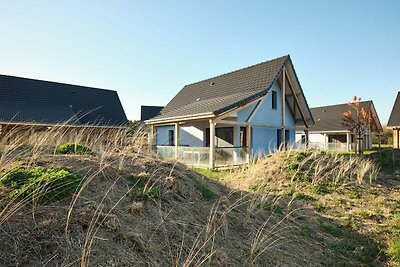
(41, 184)
(72, 148)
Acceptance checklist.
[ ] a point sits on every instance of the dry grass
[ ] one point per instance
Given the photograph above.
(135, 209)
(131, 208)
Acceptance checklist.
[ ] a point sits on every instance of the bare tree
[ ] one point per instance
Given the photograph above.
(358, 123)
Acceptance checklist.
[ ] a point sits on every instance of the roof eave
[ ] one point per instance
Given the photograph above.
(207, 115)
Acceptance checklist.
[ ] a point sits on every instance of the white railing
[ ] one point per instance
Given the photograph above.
(200, 156)
(326, 146)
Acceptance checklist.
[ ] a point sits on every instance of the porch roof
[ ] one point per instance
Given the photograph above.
(214, 96)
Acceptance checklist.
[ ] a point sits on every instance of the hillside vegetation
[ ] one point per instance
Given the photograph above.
(115, 205)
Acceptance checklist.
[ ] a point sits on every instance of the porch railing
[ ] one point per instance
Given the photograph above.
(200, 156)
(327, 146)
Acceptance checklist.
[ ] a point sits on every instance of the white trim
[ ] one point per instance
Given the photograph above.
(242, 123)
(207, 115)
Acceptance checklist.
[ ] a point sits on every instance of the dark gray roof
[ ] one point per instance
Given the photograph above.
(222, 93)
(329, 118)
(394, 119)
(31, 101)
(148, 112)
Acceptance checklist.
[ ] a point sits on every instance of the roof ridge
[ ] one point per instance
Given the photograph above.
(248, 67)
(46, 81)
(335, 105)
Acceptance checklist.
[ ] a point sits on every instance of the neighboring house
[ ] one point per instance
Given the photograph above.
(149, 112)
(394, 122)
(227, 119)
(37, 105)
(329, 133)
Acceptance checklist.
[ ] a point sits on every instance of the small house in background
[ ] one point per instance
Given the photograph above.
(227, 119)
(394, 122)
(149, 112)
(36, 106)
(329, 133)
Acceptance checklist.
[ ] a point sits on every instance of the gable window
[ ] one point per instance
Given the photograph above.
(171, 137)
(274, 103)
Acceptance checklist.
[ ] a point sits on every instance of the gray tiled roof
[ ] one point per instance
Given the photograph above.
(222, 93)
(148, 112)
(329, 118)
(31, 101)
(394, 119)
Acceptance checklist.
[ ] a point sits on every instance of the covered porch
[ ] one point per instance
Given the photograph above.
(203, 143)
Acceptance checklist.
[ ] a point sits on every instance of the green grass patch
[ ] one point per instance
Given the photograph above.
(332, 230)
(72, 148)
(144, 188)
(320, 208)
(272, 207)
(206, 191)
(41, 184)
(393, 250)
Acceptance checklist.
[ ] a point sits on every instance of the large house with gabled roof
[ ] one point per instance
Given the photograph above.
(394, 122)
(330, 133)
(37, 105)
(227, 119)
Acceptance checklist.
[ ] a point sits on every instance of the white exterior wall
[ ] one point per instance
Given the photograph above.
(264, 139)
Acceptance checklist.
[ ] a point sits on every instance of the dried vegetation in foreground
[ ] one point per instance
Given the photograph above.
(293, 208)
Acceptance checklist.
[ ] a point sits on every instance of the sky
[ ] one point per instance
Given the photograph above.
(148, 50)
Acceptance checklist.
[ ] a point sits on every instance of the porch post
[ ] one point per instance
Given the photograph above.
(212, 144)
(248, 143)
(177, 139)
(151, 138)
(325, 137)
(397, 138)
(379, 140)
(283, 137)
(307, 138)
(348, 140)
(236, 144)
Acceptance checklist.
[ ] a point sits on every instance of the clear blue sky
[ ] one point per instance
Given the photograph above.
(148, 50)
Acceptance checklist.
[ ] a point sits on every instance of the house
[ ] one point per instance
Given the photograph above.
(227, 119)
(38, 105)
(394, 122)
(329, 133)
(148, 112)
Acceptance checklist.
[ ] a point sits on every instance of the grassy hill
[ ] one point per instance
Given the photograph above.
(114, 205)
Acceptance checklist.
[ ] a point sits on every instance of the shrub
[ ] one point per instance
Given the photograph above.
(71, 148)
(43, 184)
(206, 192)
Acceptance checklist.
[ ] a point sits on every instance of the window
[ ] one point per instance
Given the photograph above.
(303, 139)
(274, 100)
(171, 138)
(223, 134)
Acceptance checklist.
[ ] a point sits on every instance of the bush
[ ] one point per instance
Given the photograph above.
(71, 148)
(40, 183)
(206, 192)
